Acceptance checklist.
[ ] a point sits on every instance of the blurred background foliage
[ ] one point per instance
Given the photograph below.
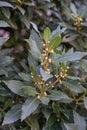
(19, 16)
(20, 19)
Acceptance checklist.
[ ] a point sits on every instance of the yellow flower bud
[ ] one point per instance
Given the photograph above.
(38, 96)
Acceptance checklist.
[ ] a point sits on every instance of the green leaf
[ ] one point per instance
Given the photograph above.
(54, 42)
(29, 107)
(3, 92)
(58, 95)
(8, 103)
(3, 40)
(57, 32)
(32, 60)
(84, 24)
(33, 48)
(46, 113)
(44, 100)
(83, 12)
(6, 12)
(12, 24)
(25, 20)
(34, 36)
(85, 102)
(12, 115)
(70, 126)
(33, 123)
(5, 51)
(47, 33)
(79, 121)
(5, 60)
(74, 86)
(4, 24)
(5, 4)
(15, 86)
(74, 78)
(25, 77)
(44, 75)
(20, 9)
(84, 65)
(29, 90)
(26, 128)
(67, 11)
(34, 26)
(69, 57)
(3, 71)
(50, 121)
(73, 8)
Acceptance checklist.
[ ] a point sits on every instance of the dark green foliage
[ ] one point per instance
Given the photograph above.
(43, 65)
(48, 85)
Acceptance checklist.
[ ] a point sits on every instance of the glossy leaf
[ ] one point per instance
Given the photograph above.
(67, 11)
(33, 122)
(4, 24)
(34, 36)
(44, 100)
(58, 95)
(84, 24)
(73, 8)
(7, 104)
(79, 121)
(3, 71)
(12, 24)
(3, 92)
(85, 102)
(15, 86)
(32, 60)
(35, 26)
(71, 126)
(84, 65)
(25, 20)
(6, 12)
(45, 75)
(12, 115)
(25, 77)
(29, 90)
(47, 33)
(74, 86)
(20, 9)
(57, 31)
(54, 42)
(33, 48)
(5, 60)
(50, 121)
(73, 77)
(29, 107)
(5, 4)
(3, 40)
(69, 57)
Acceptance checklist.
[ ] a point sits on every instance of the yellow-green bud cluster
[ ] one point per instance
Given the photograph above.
(62, 74)
(77, 22)
(42, 94)
(58, 118)
(19, 1)
(45, 58)
(39, 81)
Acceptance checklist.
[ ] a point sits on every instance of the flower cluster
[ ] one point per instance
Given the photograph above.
(40, 83)
(77, 22)
(42, 94)
(46, 60)
(43, 85)
(62, 74)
